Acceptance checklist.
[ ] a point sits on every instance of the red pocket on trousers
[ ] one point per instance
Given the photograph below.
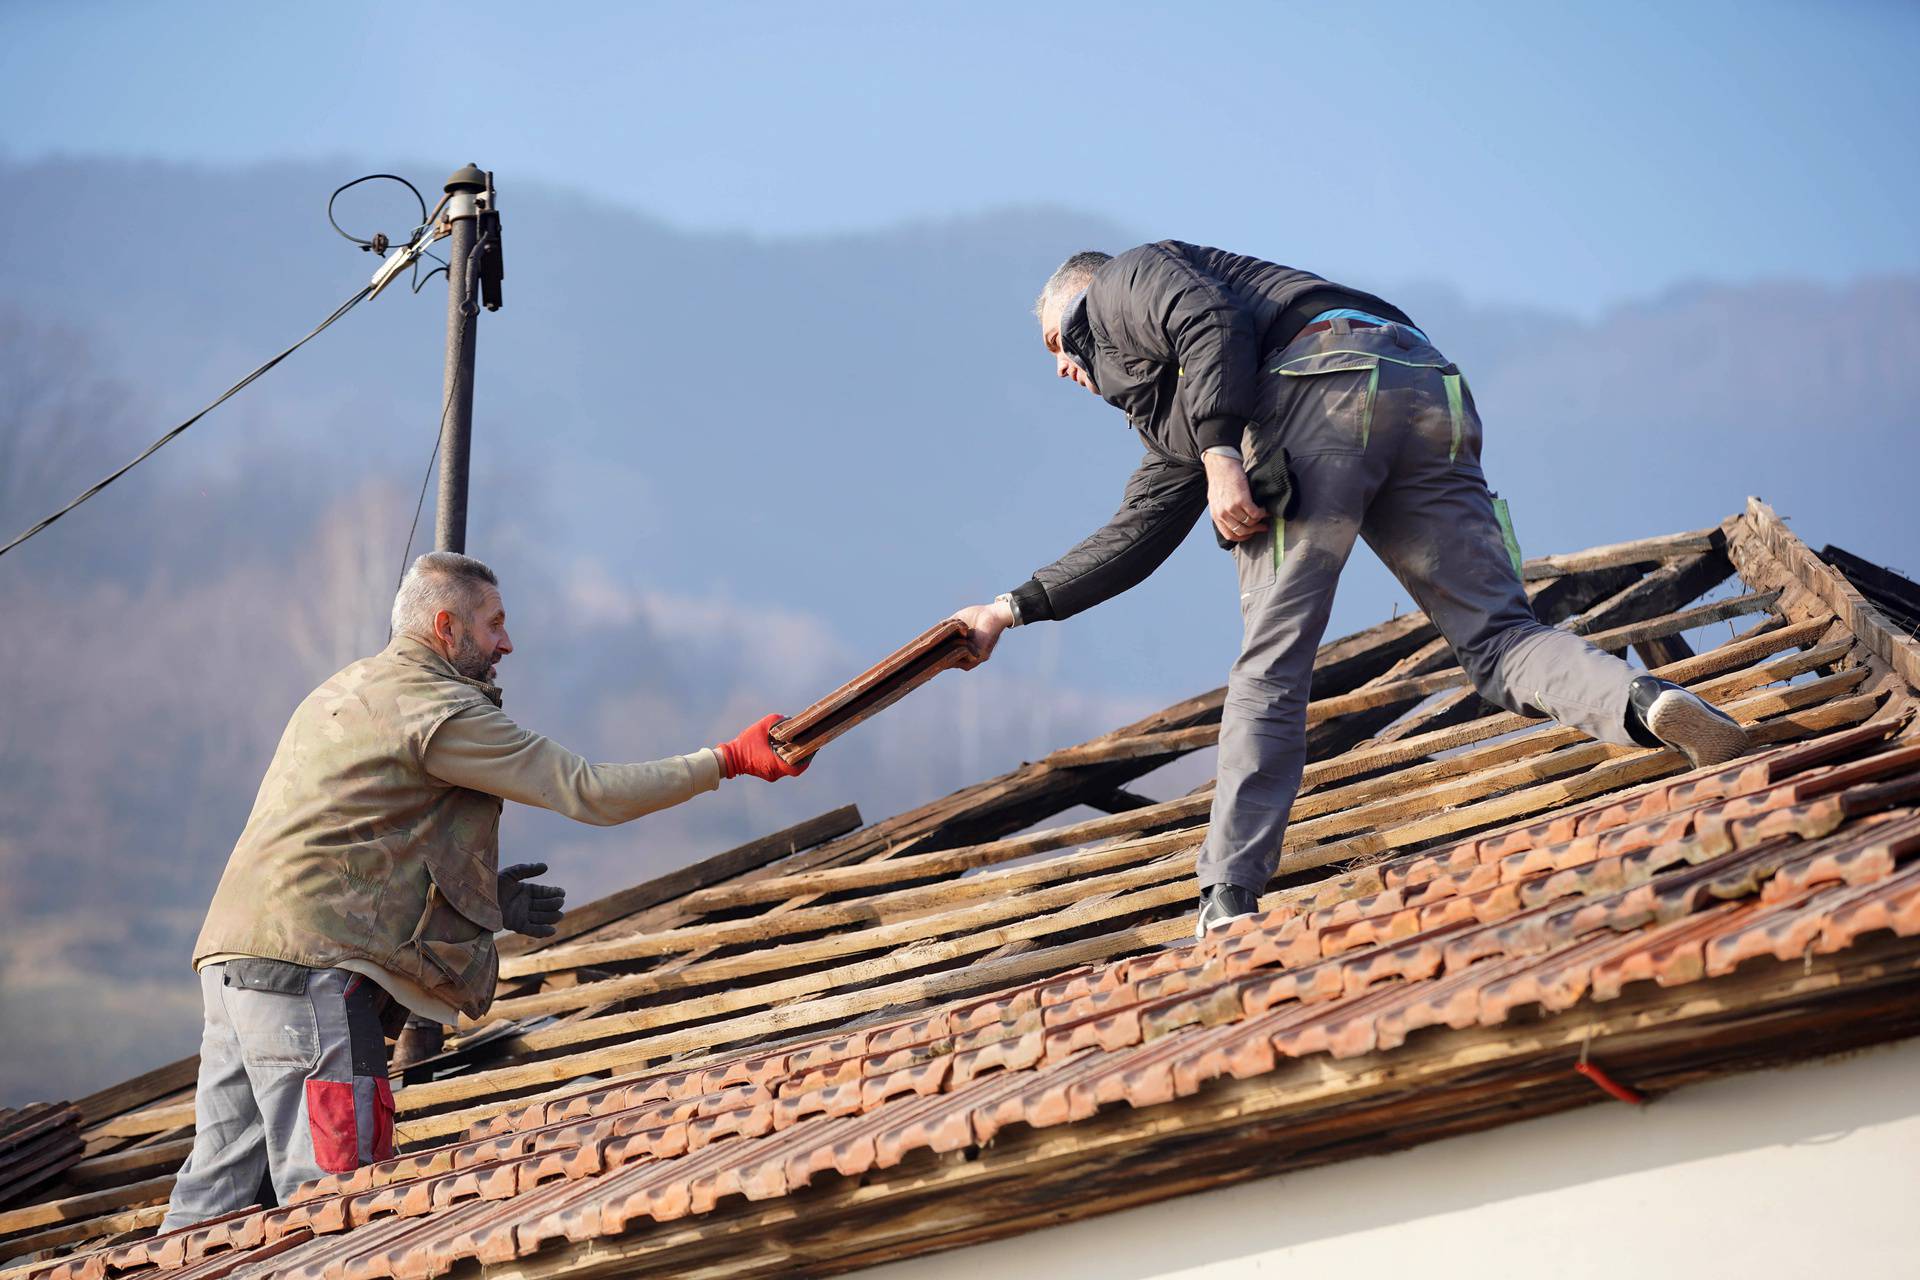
(331, 1121)
(382, 1119)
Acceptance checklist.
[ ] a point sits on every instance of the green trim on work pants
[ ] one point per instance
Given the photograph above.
(1384, 444)
(293, 1085)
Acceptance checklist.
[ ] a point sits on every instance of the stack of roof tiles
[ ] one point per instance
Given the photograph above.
(1477, 918)
(37, 1144)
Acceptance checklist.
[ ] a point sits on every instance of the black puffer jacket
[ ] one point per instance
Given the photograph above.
(1173, 336)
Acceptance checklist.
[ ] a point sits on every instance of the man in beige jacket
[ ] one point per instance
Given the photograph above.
(366, 884)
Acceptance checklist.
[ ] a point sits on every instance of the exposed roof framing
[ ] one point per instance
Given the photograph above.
(842, 1044)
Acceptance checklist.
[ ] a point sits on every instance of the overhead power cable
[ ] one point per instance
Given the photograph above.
(378, 244)
(223, 397)
(413, 249)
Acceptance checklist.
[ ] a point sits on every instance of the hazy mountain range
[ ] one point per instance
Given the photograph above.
(717, 475)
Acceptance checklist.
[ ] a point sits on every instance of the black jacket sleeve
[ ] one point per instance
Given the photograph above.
(1162, 501)
(1154, 303)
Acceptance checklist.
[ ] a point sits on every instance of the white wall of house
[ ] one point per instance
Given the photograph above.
(1808, 1171)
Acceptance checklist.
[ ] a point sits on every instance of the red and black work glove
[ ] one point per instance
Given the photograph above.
(532, 909)
(752, 752)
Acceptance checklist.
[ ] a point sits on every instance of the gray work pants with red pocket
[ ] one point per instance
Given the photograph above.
(293, 1085)
(1384, 444)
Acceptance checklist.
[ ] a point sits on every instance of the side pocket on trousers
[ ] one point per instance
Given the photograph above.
(1507, 535)
(1366, 410)
(1456, 412)
(332, 1125)
(274, 1029)
(382, 1119)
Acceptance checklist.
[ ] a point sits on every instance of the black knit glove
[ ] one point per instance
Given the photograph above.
(532, 909)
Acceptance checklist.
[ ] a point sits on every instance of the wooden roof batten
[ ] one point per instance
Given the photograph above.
(831, 925)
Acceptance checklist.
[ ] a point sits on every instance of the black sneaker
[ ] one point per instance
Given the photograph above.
(1220, 903)
(1662, 714)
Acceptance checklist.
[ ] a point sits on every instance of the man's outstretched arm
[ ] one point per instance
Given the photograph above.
(482, 749)
(1162, 501)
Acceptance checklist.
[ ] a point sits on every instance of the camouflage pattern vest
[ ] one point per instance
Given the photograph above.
(354, 850)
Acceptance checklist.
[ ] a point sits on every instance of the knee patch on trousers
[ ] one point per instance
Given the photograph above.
(341, 1113)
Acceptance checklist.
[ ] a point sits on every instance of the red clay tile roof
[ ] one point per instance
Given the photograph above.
(1470, 905)
(1799, 852)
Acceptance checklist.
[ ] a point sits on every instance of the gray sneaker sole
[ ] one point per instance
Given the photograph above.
(1705, 734)
(1202, 926)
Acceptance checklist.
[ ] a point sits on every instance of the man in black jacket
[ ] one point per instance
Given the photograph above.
(1349, 422)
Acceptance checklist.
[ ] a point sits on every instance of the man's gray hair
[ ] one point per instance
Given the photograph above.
(439, 580)
(1069, 278)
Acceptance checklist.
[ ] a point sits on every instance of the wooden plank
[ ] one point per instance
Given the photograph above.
(1152, 744)
(35, 1163)
(1620, 553)
(1757, 565)
(117, 1167)
(1672, 586)
(21, 1126)
(1886, 641)
(1894, 595)
(708, 871)
(111, 1224)
(88, 1204)
(139, 1091)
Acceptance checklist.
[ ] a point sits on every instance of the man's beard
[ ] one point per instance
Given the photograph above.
(471, 661)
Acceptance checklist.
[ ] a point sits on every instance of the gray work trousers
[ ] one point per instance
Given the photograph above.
(293, 1085)
(1384, 444)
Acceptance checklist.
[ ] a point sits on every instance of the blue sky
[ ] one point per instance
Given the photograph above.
(1565, 155)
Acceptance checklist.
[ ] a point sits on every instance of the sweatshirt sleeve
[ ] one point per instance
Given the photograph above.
(1162, 501)
(482, 749)
(1152, 303)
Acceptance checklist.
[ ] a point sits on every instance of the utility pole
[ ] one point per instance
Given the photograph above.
(474, 267)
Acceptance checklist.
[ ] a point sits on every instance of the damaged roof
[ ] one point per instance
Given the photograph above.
(846, 1044)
